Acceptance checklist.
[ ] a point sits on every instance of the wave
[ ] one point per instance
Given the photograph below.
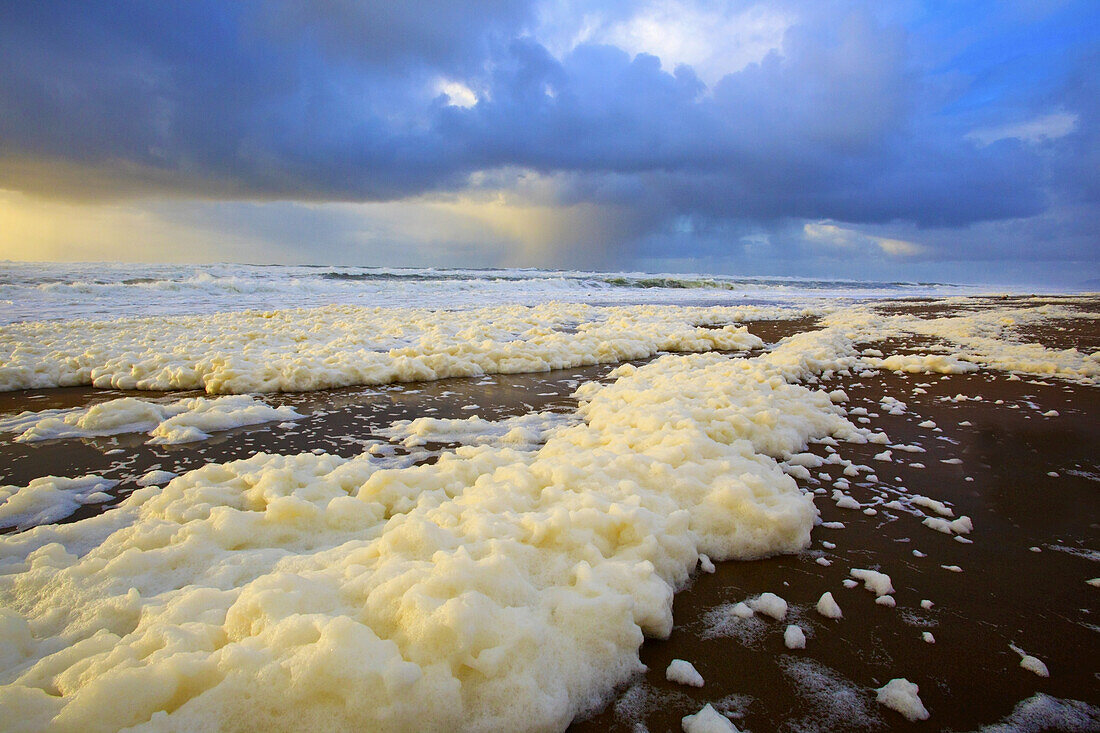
(51, 291)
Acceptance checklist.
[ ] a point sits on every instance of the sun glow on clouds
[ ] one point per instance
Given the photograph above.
(714, 41)
(545, 234)
(831, 234)
(458, 94)
(714, 38)
(36, 229)
(413, 232)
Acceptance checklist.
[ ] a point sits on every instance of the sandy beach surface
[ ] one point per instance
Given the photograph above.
(1016, 453)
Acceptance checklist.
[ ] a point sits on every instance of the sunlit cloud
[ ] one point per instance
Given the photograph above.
(713, 38)
(457, 93)
(412, 232)
(38, 229)
(850, 239)
(714, 41)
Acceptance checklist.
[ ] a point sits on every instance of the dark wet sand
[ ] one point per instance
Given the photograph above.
(1006, 593)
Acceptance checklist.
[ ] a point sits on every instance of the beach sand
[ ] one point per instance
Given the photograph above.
(1029, 482)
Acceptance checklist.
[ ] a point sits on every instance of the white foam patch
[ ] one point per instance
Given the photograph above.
(707, 720)
(937, 506)
(632, 706)
(769, 604)
(182, 421)
(984, 337)
(794, 637)
(901, 695)
(156, 478)
(836, 703)
(962, 525)
(683, 672)
(741, 610)
(493, 589)
(50, 499)
(827, 606)
(337, 346)
(1043, 712)
(874, 581)
(525, 431)
(921, 363)
(1031, 663)
(843, 501)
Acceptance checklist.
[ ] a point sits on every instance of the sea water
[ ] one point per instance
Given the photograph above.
(63, 291)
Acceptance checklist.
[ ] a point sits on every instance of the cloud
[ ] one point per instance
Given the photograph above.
(448, 34)
(457, 93)
(37, 230)
(821, 131)
(602, 129)
(715, 40)
(1036, 130)
(580, 234)
(850, 239)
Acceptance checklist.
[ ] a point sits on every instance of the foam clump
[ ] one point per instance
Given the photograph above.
(522, 431)
(156, 478)
(182, 421)
(901, 695)
(844, 501)
(1032, 664)
(962, 525)
(794, 637)
(50, 499)
(741, 610)
(922, 363)
(683, 672)
(769, 604)
(827, 606)
(874, 581)
(707, 720)
(937, 506)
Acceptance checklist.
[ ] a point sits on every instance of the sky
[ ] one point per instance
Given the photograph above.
(947, 141)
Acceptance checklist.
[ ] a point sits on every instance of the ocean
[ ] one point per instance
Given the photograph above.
(31, 291)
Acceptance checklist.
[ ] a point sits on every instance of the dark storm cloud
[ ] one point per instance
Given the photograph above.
(337, 101)
(447, 34)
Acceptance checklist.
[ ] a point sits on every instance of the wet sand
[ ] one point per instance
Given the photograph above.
(1022, 580)
(1006, 593)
